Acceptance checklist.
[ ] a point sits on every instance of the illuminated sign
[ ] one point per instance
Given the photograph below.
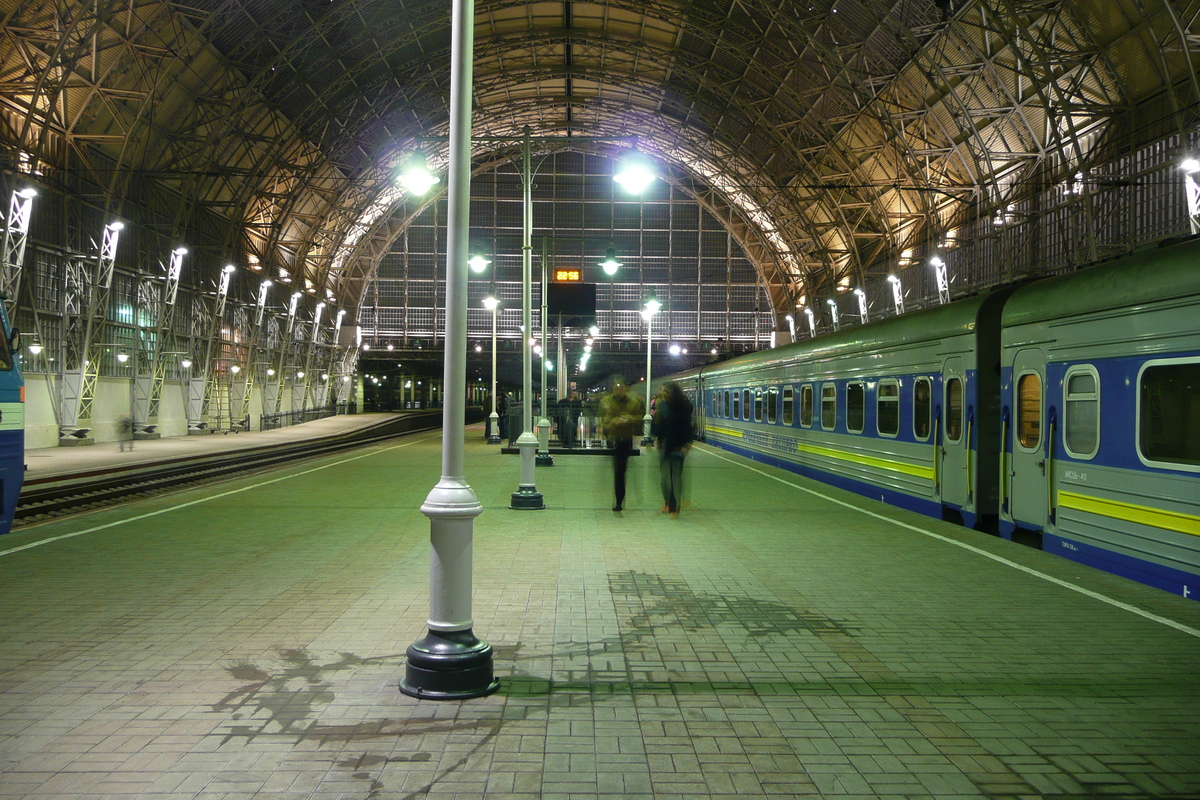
(568, 276)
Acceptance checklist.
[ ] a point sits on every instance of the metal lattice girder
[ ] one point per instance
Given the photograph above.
(844, 133)
(272, 391)
(164, 338)
(201, 385)
(84, 313)
(16, 234)
(310, 353)
(239, 405)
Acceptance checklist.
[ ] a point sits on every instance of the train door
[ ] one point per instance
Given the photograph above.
(955, 447)
(1029, 495)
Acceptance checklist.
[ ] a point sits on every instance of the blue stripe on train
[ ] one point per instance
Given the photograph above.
(1173, 580)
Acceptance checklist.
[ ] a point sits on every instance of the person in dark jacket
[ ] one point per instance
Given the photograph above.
(502, 413)
(620, 412)
(672, 429)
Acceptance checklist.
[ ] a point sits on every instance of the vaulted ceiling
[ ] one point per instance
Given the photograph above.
(828, 135)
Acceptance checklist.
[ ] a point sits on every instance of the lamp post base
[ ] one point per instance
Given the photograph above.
(527, 500)
(449, 665)
(493, 438)
(544, 460)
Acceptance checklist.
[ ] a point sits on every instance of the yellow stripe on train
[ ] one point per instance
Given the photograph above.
(1143, 515)
(915, 470)
(726, 431)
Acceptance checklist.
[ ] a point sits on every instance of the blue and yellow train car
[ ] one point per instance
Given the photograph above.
(1067, 407)
(903, 410)
(1101, 416)
(12, 423)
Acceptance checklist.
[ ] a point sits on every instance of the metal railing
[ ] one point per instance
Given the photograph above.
(269, 422)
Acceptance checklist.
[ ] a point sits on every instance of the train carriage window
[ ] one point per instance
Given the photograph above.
(758, 405)
(806, 405)
(954, 409)
(1029, 410)
(716, 401)
(856, 406)
(727, 411)
(772, 405)
(828, 406)
(887, 407)
(746, 407)
(1081, 418)
(1169, 413)
(737, 405)
(6, 357)
(922, 408)
(788, 402)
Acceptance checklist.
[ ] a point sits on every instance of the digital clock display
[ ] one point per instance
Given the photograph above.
(567, 276)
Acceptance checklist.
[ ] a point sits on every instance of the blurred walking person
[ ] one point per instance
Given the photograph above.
(125, 432)
(672, 427)
(620, 416)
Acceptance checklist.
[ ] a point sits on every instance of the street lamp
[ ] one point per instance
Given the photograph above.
(634, 174)
(812, 322)
(416, 177)
(450, 662)
(493, 305)
(610, 263)
(791, 321)
(651, 308)
(477, 263)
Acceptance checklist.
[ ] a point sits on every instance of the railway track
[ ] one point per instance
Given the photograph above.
(61, 495)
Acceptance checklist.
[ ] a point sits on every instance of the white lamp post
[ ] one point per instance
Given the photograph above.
(527, 497)
(652, 307)
(833, 311)
(449, 662)
(812, 321)
(544, 459)
(493, 305)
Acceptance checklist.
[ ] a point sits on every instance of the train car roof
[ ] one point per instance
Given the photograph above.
(1156, 274)
(928, 324)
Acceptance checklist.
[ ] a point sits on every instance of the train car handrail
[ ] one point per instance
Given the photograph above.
(970, 482)
(1050, 474)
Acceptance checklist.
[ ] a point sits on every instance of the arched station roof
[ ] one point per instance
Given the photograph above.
(829, 135)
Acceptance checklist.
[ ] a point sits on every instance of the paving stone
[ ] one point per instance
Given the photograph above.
(771, 642)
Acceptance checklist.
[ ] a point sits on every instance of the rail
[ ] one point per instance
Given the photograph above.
(60, 495)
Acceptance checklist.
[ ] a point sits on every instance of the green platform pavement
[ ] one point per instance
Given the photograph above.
(779, 639)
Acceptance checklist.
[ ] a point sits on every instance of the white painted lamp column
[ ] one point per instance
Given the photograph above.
(449, 662)
(493, 305)
(652, 307)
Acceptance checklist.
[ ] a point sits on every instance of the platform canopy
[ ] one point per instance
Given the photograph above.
(828, 136)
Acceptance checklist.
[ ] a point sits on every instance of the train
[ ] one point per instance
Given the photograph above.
(12, 421)
(1062, 412)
